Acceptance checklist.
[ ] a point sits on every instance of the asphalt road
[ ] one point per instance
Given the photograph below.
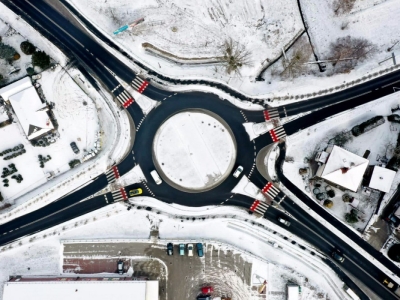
(98, 60)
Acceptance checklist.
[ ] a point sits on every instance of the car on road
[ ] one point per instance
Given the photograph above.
(190, 249)
(120, 267)
(156, 177)
(181, 249)
(238, 171)
(337, 255)
(200, 250)
(170, 249)
(284, 221)
(390, 284)
(74, 147)
(135, 192)
(36, 77)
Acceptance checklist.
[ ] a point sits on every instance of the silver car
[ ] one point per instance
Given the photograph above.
(238, 171)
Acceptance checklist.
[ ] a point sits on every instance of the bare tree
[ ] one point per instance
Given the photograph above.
(235, 56)
(345, 52)
(295, 62)
(343, 6)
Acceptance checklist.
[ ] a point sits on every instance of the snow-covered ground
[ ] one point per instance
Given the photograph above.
(13, 31)
(315, 138)
(194, 150)
(275, 259)
(78, 122)
(264, 28)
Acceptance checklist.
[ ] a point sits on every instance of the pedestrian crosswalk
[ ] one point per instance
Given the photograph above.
(112, 174)
(119, 195)
(139, 84)
(271, 114)
(125, 99)
(270, 190)
(259, 207)
(277, 133)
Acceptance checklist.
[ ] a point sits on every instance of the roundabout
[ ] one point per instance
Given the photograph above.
(194, 150)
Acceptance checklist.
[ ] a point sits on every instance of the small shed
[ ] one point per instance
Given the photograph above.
(382, 179)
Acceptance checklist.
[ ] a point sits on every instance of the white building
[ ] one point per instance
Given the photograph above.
(29, 109)
(81, 290)
(341, 167)
(382, 179)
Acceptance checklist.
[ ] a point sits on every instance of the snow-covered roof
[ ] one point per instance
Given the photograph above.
(15, 87)
(382, 179)
(345, 168)
(292, 292)
(31, 112)
(78, 290)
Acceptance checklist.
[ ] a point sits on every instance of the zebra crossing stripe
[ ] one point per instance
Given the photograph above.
(143, 87)
(273, 136)
(117, 198)
(271, 114)
(116, 172)
(254, 205)
(120, 99)
(262, 208)
(123, 193)
(280, 132)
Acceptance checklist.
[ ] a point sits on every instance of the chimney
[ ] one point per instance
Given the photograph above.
(344, 170)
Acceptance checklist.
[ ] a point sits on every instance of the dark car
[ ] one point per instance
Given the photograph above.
(170, 249)
(200, 249)
(74, 147)
(338, 256)
(202, 297)
(120, 267)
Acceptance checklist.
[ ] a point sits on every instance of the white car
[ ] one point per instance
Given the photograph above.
(190, 249)
(238, 171)
(156, 177)
(284, 221)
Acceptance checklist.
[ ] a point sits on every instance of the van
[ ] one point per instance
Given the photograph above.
(156, 177)
(120, 267)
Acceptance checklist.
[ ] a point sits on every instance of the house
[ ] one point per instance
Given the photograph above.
(381, 179)
(341, 168)
(32, 113)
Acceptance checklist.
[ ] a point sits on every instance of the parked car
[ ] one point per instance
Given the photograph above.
(200, 250)
(170, 249)
(207, 290)
(120, 267)
(181, 249)
(203, 297)
(135, 192)
(284, 221)
(337, 255)
(36, 77)
(74, 147)
(238, 171)
(156, 177)
(190, 249)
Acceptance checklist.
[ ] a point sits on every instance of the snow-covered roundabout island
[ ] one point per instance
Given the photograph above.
(194, 150)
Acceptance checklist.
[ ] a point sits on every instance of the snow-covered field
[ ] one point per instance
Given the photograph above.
(194, 150)
(198, 29)
(41, 254)
(315, 138)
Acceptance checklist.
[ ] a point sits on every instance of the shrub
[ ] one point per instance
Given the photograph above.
(41, 59)
(328, 203)
(331, 193)
(367, 125)
(74, 163)
(7, 52)
(27, 48)
(351, 217)
(30, 71)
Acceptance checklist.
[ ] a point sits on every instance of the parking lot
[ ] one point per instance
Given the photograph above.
(227, 272)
